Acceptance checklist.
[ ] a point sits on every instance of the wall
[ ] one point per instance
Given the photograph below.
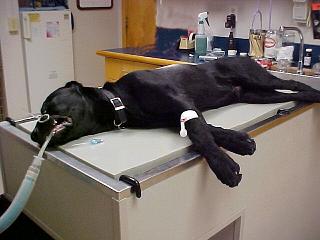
(94, 30)
(183, 14)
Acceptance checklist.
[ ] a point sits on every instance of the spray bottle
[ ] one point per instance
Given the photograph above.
(201, 38)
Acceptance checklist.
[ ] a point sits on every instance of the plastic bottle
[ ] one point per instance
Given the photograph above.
(201, 38)
(307, 58)
(232, 52)
(231, 42)
(201, 44)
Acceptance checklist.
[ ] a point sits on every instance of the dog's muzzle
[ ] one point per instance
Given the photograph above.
(55, 123)
(47, 124)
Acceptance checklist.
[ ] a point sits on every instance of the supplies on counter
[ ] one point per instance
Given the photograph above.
(201, 45)
(272, 43)
(232, 53)
(316, 68)
(231, 23)
(307, 58)
(187, 43)
(265, 63)
(231, 42)
(285, 53)
(213, 55)
(201, 38)
(256, 38)
(286, 50)
(256, 41)
(283, 65)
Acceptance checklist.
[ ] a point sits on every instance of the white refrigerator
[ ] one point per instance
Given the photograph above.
(48, 53)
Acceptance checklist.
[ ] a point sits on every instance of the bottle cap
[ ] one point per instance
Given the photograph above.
(308, 50)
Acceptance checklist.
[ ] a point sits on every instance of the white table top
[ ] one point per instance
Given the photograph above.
(132, 152)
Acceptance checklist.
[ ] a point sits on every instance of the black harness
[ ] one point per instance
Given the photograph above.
(119, 109)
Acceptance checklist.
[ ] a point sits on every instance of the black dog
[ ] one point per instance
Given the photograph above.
(157, 98)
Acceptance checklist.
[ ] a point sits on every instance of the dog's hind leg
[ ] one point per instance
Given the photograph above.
(261, 96)
(272, 82)
(261, 79)
(234, 141)
(225, 168)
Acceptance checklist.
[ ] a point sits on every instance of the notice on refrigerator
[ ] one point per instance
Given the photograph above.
(53, 30)
(34, 17)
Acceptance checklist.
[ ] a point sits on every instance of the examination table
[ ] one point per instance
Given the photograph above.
(79, 196)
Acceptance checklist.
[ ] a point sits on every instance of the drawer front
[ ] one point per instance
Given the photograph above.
(116, 68)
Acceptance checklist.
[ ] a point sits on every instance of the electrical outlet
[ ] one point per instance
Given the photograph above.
(233, 9)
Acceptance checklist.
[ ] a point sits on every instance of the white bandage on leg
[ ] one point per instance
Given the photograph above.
(186, 116)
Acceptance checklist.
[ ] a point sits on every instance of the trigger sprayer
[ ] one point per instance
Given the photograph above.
(201, 18)
(201, 38)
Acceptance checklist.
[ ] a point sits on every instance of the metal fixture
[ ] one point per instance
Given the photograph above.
(282, 29)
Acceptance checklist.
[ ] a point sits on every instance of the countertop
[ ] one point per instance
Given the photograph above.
(153, 55)
(163, 57)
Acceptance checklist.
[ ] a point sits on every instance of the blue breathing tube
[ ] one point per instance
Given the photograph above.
(25, 189)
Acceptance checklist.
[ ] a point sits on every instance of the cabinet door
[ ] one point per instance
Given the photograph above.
(138, 22)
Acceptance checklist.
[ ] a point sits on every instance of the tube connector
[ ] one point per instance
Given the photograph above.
(37, 161)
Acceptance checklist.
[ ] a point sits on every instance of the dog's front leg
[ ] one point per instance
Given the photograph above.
(234, 141)
(225, 168)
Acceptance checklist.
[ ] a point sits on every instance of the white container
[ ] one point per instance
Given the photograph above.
(272, 43)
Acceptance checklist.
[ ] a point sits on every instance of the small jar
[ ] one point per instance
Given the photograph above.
(307, 58)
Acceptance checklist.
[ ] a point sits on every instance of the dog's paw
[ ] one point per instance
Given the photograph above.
(226, 170)
(245, 145)
(240, 143)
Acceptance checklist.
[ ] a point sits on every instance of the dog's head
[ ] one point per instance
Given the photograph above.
(74, 111)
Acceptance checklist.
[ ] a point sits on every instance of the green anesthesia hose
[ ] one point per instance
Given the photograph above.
(25, 189)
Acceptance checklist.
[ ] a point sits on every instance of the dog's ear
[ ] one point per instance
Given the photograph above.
(73, 84)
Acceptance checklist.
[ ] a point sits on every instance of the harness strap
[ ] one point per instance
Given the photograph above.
(119, 108)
